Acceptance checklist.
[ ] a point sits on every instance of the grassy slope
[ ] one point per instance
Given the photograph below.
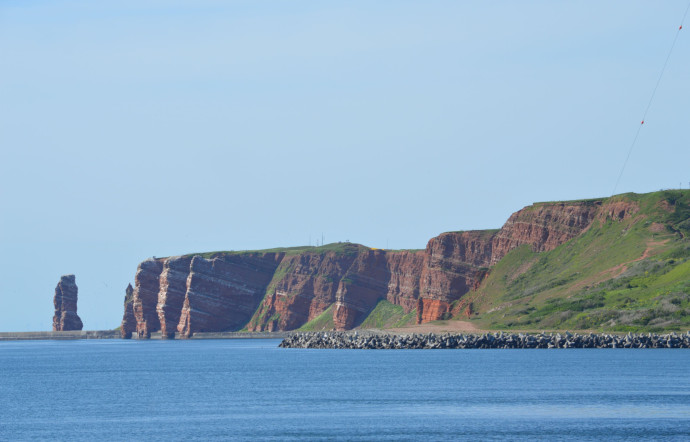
(388, 315)
(283, 269)
(631, 275)
(384, 315)
(322, 322)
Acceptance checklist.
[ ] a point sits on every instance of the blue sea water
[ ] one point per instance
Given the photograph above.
(251, 389)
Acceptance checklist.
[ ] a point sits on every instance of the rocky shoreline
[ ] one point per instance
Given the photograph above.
(500, 340)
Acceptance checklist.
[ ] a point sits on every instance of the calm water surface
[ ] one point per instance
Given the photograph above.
(250, 389)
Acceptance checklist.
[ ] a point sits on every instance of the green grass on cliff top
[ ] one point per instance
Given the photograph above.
(337, 247)
(630, 275)
(482, 233)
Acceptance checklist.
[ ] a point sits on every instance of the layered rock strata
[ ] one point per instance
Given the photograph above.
(303, 287)
(405, 276)
(543, 226)
(456, 262)
(171, 294)
(283, 291)
(145, 296)
(364, 284)
(222, 293)
(65, 302)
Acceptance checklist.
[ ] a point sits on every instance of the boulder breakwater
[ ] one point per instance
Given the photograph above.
(500, 340)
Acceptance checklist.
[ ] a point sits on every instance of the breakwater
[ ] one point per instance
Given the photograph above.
(115, 334)
(59, 335)
(500, 340)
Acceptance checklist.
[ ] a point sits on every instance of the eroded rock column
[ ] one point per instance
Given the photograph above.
(65, 302)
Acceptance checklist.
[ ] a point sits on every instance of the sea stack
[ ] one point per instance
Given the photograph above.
(129, 322)
(65, 301)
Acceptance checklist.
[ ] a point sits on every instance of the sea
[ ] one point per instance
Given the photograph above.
(249, 389)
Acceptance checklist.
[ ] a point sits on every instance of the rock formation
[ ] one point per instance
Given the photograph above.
(173, 286)
(65, 301)
(129, 322)
(284, 290)
(455, 263)
(145, 296)
(303, 287)
(385, 341)
(365, 282)
(222, 293)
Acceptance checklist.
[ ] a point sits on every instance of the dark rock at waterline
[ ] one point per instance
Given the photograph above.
(371, 340)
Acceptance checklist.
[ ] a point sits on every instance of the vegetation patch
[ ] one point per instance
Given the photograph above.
(388, 315)
(322, 322)
(339, 248)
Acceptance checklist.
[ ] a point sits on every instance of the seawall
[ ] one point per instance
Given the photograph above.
(115, 334)
(60, 335)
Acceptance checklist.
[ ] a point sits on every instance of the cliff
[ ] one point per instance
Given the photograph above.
(455, 262)
(222, 293)
(171, 295)
(303, 287)
(65, 302)
(339, 285)
(543, 226)
(145, 296)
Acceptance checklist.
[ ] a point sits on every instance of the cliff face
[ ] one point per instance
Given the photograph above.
(171, 295)
(145, 296)
(455, 263)
(364, 284)
(357, 278)
(543, 226)
(65, 302)
(405, 273)
(283, 291)
(303, 287)
(222, 293)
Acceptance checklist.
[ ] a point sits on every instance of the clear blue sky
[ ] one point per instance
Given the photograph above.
(130, 129)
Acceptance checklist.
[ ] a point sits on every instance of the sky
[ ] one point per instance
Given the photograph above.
(131, 129)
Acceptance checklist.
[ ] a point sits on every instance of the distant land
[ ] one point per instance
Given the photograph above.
(614, 264)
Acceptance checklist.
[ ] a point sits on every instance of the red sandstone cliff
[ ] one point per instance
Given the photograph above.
(404, 268)
(455, 263)
(145, 297)
(173, 287)
(223, 293)
(65, 302)
(303, 287)
(543, 226)
(279, 291)
(364, 284)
